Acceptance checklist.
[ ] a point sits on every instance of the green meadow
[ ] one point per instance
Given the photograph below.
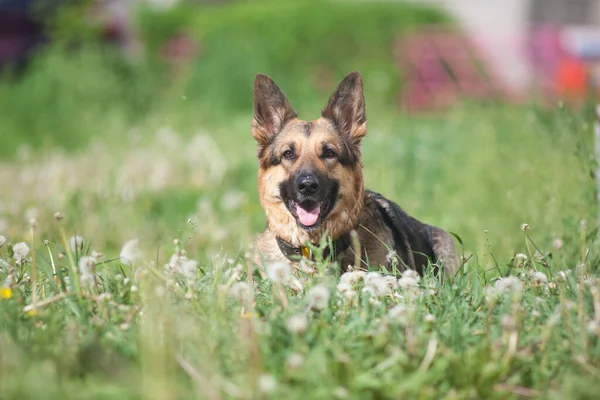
(128, 204)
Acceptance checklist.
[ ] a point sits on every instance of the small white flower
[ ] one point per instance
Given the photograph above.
(318, 297)
(295, 361)
(297, 323)
(279, 272)
(130, 252)
(539, 277)
(524, 227)
(2, 240)
(535, 313)
(240, 291)
(20, 252)
(189, 268)
(557, 243)
(75, 244)
(429, 318)
(266, 383)
(133, 288)
(87, 266)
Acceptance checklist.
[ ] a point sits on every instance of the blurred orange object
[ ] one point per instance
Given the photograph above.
(572, 78)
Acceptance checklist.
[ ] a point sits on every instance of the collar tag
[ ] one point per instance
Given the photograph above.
(306, 253)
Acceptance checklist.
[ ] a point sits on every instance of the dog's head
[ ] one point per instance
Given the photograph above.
(310, 177)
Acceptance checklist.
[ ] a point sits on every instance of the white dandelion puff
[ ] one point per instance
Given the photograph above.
(20, 252)
(352, 277)
(189, 268)
(539, 277)
(267, 383)
(75, 244)
(241, 292)
(87, 266)
(2, 240)
(400, 313)
(295, 361)
(279, 272)
(130, 252)
(510, 284)
(297, 324)
(318, 297)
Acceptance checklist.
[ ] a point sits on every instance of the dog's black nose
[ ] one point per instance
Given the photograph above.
(307, 183)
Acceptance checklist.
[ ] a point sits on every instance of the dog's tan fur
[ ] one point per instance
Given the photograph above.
(342, 126)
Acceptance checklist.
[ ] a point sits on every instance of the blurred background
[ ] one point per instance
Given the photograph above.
(133, 117)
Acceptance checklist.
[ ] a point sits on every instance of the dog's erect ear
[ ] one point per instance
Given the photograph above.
(271, 110)
(346, 107)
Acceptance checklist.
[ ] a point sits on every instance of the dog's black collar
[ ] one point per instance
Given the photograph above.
(291, 252)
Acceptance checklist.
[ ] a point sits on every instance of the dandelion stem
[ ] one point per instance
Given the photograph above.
(33, 266)
(72, 265)
(429, 355)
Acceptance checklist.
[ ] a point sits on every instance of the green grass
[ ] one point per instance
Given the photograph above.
(123, 153)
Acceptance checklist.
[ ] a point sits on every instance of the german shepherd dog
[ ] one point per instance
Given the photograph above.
(310, 184)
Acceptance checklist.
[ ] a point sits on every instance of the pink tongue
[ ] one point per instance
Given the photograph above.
(308, 217)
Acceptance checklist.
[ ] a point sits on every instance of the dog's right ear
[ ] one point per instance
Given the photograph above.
(272, 110)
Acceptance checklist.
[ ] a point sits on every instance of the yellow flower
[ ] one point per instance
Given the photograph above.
(5, 293)
(33, 312)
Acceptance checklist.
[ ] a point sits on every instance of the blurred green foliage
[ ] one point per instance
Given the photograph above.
(79, 88)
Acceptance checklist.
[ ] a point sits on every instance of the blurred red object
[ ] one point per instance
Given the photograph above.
(572, 78)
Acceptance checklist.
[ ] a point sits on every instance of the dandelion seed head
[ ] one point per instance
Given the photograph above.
(130, 252)
(266, 383)
(557, 243)
(2, 240)
(189, 268)
(352, 277)
(593, 327)
(510, 284)
(524, 227)
(294, 361)
(376, 286)
(241, 292)
(411, 273)
(75, 244)
(297, 324)
(318, 297)
(400, 314)
(520, 259)
(4, 266)
(87, 266)
(429, 318)
(341, 393)
(539, 277)
(279, 272)
(408, 282)
(58, 216)
(20, 252)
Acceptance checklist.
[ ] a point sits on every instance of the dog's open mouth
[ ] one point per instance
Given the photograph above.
(308, 213)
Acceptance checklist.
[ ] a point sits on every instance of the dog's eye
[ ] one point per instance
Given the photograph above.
(288, 154)
(328, 153)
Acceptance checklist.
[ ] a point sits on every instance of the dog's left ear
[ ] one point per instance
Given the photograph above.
(346, 107)
(272, 110)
